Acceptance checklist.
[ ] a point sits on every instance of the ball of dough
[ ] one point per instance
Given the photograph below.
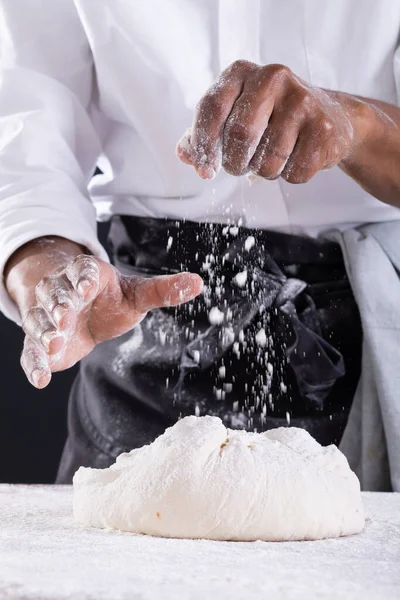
(201, 480)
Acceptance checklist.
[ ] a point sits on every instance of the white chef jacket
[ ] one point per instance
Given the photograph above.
(120, 79)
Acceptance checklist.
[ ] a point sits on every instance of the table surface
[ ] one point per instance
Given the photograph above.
(44, 555)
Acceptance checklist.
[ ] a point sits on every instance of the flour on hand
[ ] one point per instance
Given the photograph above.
(201, 480)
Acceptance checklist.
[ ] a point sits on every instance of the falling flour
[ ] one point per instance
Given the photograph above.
(215, 316)
(261, 337)
(241, 278)
(249, 243)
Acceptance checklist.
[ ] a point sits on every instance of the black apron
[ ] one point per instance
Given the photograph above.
(274, 340)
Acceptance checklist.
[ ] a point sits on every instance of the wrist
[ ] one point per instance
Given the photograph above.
(33, 261)
(363, 119)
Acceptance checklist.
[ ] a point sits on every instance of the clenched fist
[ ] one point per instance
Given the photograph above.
(266, 120)
(70, 302)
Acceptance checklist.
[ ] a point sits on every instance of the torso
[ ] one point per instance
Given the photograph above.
(155, 58)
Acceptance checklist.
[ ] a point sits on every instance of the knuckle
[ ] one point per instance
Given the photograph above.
(304, 99)
(236, 132)
(270, 160)
(58, 296)
(31, 316)
(241, 66)
(322, 129)
(326, 125)
(85, 266)
(35, 322)
(277, 72)
(238, 146)
(43, 286)
(84, 259)
(51, 291)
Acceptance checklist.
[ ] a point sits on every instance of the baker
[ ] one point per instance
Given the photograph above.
(252, 317)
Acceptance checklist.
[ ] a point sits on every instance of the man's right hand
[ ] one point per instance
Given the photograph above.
(83, 302)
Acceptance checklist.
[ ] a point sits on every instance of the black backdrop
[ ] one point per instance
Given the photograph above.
(32, 422)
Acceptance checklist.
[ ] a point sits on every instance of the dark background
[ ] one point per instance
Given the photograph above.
(33, 423)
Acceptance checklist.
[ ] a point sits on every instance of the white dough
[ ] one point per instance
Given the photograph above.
(201, 480)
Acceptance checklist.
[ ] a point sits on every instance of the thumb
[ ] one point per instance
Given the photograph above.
(163, 291)
(184, 150)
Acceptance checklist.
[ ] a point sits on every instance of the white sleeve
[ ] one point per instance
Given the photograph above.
(48, 145)
(397, 73)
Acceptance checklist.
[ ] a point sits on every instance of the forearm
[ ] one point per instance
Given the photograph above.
(33, 261)
(374, 160)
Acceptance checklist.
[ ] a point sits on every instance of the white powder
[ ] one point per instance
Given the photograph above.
(249, 243)
(261, 337)
(241, 278)
(44, 555)
(120, 363)
(228, 335)
(215, 316)
(184, 142)
(234, 231)
(253, 178)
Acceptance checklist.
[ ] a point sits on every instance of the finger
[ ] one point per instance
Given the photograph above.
(84, 274)
(276, 146)
(305, 160)
(246, 124)
(57, 296)
(184, 149)
(167, 290)
(35, 364)
(38, 326)
(211, 115)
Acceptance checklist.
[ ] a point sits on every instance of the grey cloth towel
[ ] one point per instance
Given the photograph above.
(371, 440)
